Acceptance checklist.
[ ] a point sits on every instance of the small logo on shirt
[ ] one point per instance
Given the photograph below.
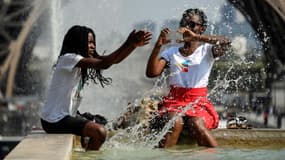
(184, 66)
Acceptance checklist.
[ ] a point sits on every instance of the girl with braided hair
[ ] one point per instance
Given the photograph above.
(78, 64)
(189, 67)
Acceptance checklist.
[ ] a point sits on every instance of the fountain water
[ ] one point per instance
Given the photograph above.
(129, 83)
(56, 21)
(109, 37)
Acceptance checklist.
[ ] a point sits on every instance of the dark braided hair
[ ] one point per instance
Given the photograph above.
(76, 41)
(189, 13)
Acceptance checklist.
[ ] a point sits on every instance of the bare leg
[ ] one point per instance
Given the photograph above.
(96, 133)
(204, 137)
(172, 137)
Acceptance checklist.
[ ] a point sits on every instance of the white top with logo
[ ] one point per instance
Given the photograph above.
(192, 71)
(63, 96)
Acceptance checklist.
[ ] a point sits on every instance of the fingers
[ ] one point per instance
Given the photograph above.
(145, 36)
(167, 41)
(188, 35)
(180, 41)
(165, 32)
(141, 37)
(186, 39)
(183, 30)
(148, 36)
(142, 33)
(133, 32)
(163, 37)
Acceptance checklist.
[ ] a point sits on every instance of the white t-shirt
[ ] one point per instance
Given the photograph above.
(63, 90)
(192, 71)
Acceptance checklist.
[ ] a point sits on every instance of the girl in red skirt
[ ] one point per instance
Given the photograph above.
(190, 67)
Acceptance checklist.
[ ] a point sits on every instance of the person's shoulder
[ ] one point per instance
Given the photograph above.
(68, 61)
(207, 49)
(207, 45)
(71, 55)
(172, 49)
(69, 58)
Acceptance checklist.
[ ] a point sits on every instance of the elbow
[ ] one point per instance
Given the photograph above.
(116, 62)
(226, 41)
(105, 66)
(148, 75)
(151, 74)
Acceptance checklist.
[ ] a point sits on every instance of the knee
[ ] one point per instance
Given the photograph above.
(199, 124)
(178, 126)
(179, 121)
(102, 133)
(95, 131)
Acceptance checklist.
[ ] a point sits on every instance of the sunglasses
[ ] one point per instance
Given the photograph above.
(192, 24)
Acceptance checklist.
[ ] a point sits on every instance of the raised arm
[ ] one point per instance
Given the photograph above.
(134, 40)
(155, 64)
(221, 43)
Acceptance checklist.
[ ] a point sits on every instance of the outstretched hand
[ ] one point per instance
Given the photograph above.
(191, 36)
(139, 38)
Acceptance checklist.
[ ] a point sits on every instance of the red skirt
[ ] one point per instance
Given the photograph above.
(195, 99)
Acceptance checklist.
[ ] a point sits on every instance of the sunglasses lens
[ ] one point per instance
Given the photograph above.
(191, 24)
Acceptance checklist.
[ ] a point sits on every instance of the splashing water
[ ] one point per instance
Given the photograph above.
(225, 80)
(56, 20)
